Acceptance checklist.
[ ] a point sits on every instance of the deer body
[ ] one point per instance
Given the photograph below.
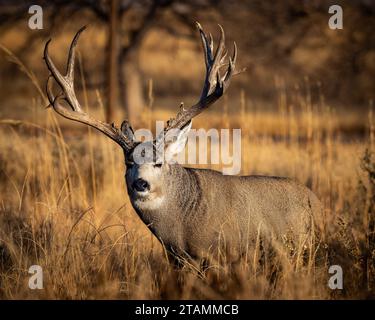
(192, 211)
(195, 212)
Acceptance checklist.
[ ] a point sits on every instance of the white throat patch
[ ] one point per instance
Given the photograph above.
(149, 204)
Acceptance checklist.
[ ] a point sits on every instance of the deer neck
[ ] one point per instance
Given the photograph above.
(182, 189)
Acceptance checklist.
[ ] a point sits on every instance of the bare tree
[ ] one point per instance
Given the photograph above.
(112, 58)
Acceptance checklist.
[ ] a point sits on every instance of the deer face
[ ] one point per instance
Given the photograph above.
(146, 178)
(143, 178)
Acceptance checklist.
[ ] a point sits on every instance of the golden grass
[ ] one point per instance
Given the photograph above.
(63, 206)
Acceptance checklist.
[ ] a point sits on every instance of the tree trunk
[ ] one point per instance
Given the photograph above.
(113, 62)
(132, 93)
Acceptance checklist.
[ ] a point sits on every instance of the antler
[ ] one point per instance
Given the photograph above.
(214, 84)
(123, 136)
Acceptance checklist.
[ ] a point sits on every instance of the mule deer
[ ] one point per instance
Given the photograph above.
(194, 211)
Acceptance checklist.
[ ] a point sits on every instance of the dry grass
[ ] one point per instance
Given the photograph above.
(63, 206)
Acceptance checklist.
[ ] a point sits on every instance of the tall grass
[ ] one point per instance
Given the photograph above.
(63, 206)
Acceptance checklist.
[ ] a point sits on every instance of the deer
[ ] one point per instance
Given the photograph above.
(194, 211)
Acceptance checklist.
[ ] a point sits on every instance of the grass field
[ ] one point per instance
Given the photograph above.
(64, 206)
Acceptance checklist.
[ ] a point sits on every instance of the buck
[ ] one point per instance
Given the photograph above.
(194, 212)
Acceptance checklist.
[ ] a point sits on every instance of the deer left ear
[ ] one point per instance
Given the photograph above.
(127, 130)
(175, 141)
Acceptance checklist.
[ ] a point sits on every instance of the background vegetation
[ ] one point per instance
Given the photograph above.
(305, 110)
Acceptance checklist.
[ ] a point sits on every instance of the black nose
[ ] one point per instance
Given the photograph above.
(141, 185)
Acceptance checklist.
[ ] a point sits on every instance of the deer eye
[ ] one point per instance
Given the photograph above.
(158, 165)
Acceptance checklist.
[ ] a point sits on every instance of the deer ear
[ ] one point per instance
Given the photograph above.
(127, 130)
(175, 141)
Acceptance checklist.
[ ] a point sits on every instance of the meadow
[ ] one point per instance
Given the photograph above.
(64, 205)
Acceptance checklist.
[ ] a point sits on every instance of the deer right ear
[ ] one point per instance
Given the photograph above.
(175, 141)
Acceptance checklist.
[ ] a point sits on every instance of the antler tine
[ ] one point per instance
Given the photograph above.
(72, 54)
(221, 47)
(232, 62)
(66, 84)
(207, 46)
(50, 96)
(224, 55)
(51, 66)
(211, 42)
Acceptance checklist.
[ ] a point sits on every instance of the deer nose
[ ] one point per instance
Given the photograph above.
(141, 185)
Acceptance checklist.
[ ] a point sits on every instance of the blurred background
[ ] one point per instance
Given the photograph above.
(154, 48)
(304, 106)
